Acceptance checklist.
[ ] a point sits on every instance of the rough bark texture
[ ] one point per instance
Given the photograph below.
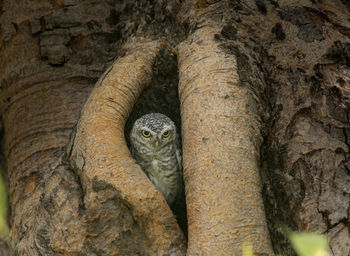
(307, 148)
(292, 60)
(221, 141)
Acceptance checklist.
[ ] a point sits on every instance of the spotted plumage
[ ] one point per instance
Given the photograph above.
(155, 146)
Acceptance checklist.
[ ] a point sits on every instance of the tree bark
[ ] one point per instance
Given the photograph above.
(221, 141)
(264, 86)
(306, 151)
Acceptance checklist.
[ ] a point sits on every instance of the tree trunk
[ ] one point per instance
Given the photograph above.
(264, 98)
(221, 141)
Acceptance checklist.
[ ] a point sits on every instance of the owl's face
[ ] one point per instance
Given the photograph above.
(153, 130)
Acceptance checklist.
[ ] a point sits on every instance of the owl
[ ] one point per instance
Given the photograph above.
(155, 145)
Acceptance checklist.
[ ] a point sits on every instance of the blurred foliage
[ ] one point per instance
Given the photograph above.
(4, 230)
(308, 244)
(247, 248)
(304, 244)
(5, 234)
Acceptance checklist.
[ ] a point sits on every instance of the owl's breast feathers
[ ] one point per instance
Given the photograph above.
(163, 170)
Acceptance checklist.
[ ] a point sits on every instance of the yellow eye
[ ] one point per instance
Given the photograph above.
(146, 133)
(166, 134)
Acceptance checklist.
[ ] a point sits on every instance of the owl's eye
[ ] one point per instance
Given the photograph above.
(146, 133)
(166, 134)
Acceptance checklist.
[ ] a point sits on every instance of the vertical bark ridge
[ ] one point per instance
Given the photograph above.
(221, 140)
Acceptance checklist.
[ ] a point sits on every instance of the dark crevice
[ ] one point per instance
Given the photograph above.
(346, 140)
(325, 218)
(261, 6)
(161, 96)
(347, 169)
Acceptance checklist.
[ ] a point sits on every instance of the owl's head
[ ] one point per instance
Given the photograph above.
(154, 130)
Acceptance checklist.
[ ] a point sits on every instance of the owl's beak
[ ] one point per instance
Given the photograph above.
(157, 142)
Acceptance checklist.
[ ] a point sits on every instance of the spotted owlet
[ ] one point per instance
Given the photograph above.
(155, 146)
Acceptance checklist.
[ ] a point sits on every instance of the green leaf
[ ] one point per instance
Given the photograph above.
(4, 230)
(247, 248)
(309, 244)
